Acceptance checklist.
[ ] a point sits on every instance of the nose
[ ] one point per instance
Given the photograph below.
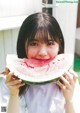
(42, 51)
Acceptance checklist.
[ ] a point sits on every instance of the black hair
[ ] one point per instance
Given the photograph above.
(41, 23)
(38, 25)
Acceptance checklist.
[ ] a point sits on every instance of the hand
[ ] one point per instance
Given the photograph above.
(68, 84)
(13, 84)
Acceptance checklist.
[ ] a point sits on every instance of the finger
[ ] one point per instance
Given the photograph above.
(15, 77)
(9, 77)
(61, 85)
(20, 85)
(75, 76)
(7, 70)
(65, 82)
(69, 77)
(14, 82)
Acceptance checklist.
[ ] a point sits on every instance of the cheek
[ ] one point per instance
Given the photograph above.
(31, 53)
(54, 51)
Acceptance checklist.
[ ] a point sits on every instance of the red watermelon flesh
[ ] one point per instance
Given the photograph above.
(35, 62)
(32, 70)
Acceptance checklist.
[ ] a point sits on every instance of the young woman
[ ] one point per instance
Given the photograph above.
(41, 38)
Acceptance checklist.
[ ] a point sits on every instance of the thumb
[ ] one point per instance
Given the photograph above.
(9, 76)
(7, 70)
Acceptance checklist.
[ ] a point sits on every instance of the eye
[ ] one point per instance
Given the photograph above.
(34, 44)
(49, 43)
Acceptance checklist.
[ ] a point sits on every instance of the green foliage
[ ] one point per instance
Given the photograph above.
(77, 66)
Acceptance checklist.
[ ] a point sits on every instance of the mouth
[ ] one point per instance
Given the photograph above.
(43, 61)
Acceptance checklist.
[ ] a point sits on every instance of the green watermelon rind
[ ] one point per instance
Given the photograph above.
(37, 83)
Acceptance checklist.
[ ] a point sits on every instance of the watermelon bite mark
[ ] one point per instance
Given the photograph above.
(31, 71)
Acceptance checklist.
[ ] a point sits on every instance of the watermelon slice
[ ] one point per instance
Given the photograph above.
(33, 71)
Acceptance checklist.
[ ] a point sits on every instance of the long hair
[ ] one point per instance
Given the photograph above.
(38, 25)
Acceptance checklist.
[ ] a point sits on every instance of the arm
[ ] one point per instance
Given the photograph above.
(13, 85)
(69, 107)
(73, 106)
(13, 105)
(71, 91)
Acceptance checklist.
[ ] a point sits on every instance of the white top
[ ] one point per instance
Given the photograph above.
(47, 98)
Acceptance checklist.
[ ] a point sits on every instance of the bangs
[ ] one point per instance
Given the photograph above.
(43, 34)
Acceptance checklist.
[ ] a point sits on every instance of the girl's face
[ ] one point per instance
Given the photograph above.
(42, 50)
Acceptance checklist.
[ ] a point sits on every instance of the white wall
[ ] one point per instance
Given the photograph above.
(8, 37)
(16, 7)
(66, 14)
(8, 40)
